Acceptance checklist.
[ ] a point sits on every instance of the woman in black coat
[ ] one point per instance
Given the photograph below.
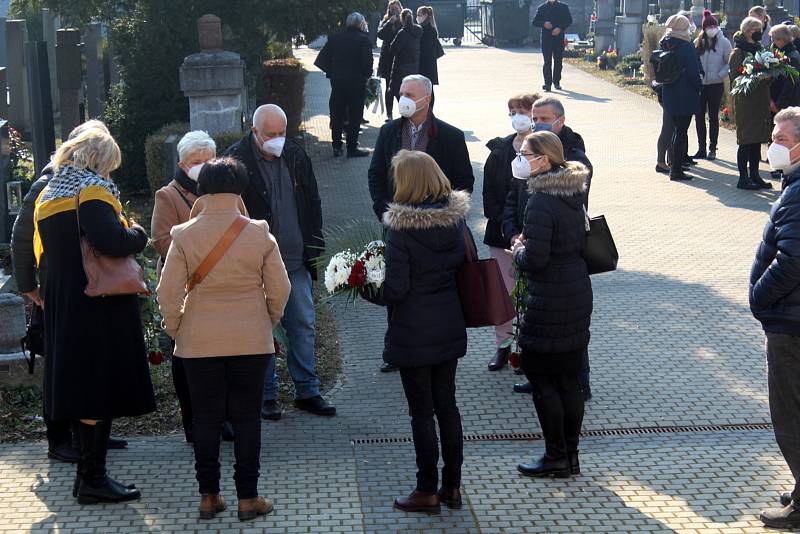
(555, 326)
(497, 180)
(427, 335)
(430, 49)
(96, 359)
(405, 50)
(390, 25)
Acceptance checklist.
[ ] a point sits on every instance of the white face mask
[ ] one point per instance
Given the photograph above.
(780, 158)
(712, 32)
(274, 146)
(421, 19)
(194, 172)
(521, 123)
(521, 168)
(406, 106)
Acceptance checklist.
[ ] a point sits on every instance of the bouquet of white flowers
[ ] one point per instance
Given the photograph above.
(763, 65)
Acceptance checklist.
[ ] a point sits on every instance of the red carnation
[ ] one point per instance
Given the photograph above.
(741, 70)
(156, 357)
(358, 275)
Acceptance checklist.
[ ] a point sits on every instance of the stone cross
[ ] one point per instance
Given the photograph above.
(19, 110)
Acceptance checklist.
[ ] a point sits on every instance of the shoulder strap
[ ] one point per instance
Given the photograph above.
(217, 252)
(186, 200)
(469, 244)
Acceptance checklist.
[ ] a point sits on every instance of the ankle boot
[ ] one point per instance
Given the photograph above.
(95, 485)
(450, 497)
(500, 359)
(574, 463)
(746, 183)
(210, 505)
(546, 467)
(252, 508)
(418, 501)
(756, 179)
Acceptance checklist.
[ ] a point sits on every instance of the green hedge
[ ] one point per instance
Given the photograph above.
(282, 82)
(154, 150)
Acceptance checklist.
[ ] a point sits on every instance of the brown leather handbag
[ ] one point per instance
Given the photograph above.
(484, 298)
(219, 250)
(108, 276)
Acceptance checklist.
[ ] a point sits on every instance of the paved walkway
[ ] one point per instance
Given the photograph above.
(673, 345)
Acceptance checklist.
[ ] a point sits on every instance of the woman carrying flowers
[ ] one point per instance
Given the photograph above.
(753, 117)
(426, 337)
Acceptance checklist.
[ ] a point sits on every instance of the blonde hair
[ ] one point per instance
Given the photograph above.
(428, 10)
(92, 124)
(417, 177)
(749, 24)
(759, 11)
(547, 144)
(389, 7)
(92, 149)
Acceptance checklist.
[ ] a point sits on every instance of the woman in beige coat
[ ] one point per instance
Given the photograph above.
(223, 329)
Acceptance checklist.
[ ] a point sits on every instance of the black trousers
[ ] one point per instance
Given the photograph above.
(559, 406)
(227, 388)
(710, 101)
(748, 155)
(664, 147)
(680, 142)
(388, 98)
(346, 102)
(783, 370)
(432, 391)
(182, 392)
(553, 51)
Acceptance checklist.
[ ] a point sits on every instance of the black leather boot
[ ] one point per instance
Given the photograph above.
(574, 463)
(759, 181)
(546, 467)
(95, 485)
(500, 359)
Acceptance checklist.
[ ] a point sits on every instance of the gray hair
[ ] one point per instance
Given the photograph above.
(355, 19)
(553, 102)
(424, 80)
(781, 31)
(268, 108)
(790, 114)
(196, 141)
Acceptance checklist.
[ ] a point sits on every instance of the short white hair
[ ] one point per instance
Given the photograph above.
(196, 141)
(355, 19)
(790, 114)
(268, 108)
(424, 80)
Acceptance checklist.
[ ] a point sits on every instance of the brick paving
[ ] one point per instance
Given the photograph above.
(673, 344)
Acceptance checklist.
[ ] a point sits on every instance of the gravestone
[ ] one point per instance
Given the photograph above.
(42, 128)
(604, 25)
(95, 84)
(12, 323)
(213, 80)
(19, 110)
(735, 13)
(49, 35)
(69, 77)
(629, 26)
(5, 175)
(667, 8)
(3, 58)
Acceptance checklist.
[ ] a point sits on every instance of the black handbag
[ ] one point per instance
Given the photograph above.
(600, 254)
(33, 341)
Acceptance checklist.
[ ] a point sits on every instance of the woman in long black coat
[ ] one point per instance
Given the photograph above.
(426, 336)
(97, 363)
(389, 27)
(430, 49)
(555, 326)
(405, 50)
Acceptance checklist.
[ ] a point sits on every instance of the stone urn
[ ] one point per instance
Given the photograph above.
(12, 323)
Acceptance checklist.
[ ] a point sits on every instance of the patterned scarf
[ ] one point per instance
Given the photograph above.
(69, 181)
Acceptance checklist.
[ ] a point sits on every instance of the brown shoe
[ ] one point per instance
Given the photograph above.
(500, 359)
(252, 508)
(450, 497)
(210, 505)
(419, 502)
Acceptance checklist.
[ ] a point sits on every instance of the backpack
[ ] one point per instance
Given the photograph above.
(665, 65)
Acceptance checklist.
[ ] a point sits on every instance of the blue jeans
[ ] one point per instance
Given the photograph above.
(299, 322)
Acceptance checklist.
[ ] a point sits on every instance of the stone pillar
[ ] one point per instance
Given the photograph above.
(629, 26)
(49, 35)
(69, 78)
(735, 12)
(95, 84)
(42, 128)
(12, 323)
(213, 80)
(19, 112)
(604, 25)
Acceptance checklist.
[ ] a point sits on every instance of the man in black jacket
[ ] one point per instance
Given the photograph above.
(283, 191)
(553, 17)
(347, 60)
(417, 129)
(775, 302)
(547, 114)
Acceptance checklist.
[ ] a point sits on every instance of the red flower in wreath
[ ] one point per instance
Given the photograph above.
(358, 275)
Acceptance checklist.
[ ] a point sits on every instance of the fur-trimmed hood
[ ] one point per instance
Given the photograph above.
(421, 217)
(564, 182)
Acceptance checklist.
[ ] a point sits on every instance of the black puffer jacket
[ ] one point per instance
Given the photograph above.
(405, 51)
(497, 181)
(346, 56)
(775, 275)
(424, 249)
(559, 307)
(22, 256)
(783, 91)
(517, 198)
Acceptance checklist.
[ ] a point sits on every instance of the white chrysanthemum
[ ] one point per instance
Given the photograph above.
(376, 270)
(338, 270)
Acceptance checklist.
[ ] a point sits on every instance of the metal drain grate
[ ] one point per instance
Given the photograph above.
(533, 436)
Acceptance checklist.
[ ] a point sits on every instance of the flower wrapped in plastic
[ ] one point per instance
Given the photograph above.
(761, 66)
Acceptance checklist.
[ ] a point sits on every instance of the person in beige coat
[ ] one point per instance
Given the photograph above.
(223, 329)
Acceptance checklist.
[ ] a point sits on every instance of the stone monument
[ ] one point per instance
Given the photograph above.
(604, 25)
(213, 80)
(12, 324)
(19, 110)
(735, 12)
(629, 26)
(667, 8)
